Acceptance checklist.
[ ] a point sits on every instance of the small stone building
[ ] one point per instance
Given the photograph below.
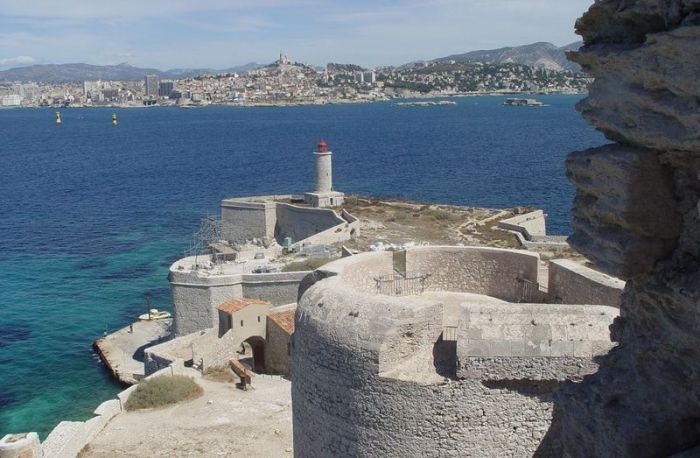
(245, 320)
(246, 316)
(251, 324)
(280, 327)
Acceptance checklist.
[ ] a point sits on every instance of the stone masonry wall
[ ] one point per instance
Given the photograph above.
(357, 392)
(572, 283)
(300, 223)
(276, 350)
(488, 271)
(243, 220)
(636, 215)
(528, 224)
(195, 298)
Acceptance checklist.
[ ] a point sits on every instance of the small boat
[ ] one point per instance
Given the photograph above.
(155, 314)
(114, 119)
(58, 117)
(523, 103)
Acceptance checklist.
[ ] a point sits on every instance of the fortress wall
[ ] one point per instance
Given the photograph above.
(191, 308)
(345, 406)
(301, 223)
(572, 283)
(360, 270)
(215, 351)
(195, 297)
(69, 437)
(277, 350)
(246, 219)
(171, 353)
(528, 224)
(532, 331)
(490, 271)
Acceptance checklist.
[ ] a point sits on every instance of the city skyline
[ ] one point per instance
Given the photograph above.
(219, 34)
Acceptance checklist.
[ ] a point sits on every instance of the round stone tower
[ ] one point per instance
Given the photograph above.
(445, 361)
(324, 168)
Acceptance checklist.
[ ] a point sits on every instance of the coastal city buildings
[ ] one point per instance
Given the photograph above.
(288, 82)
(151, 86)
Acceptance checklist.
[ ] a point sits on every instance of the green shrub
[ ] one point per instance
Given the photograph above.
(399, 216)
(440, 215)
(307, 264)
(162, 391)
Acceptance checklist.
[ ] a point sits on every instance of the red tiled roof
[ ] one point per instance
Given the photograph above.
(236, 304)
(284, 320)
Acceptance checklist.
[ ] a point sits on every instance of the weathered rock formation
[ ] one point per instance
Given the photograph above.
(636, 215)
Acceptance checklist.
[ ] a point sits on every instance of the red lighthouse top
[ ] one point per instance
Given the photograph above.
(322, 147)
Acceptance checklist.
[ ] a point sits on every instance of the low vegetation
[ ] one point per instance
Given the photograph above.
(440, 214)
(218, 374)
(307, 264)
(162, 391)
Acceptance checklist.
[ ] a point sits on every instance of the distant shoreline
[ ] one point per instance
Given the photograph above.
(303, 103)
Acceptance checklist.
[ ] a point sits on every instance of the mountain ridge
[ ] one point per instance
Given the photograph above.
(78, 72)
(540, 54)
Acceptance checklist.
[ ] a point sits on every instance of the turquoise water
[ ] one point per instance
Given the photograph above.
(92, 215)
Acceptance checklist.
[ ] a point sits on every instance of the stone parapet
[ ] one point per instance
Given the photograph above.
(434, 374)
(570, 282)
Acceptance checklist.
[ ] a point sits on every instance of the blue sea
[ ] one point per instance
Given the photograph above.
(92, 215)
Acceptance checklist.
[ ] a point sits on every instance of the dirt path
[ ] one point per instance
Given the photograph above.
(225, 421)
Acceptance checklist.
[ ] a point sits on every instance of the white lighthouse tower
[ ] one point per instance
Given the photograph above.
(323, 194)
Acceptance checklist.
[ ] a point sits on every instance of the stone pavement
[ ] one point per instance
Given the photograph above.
(122, 351)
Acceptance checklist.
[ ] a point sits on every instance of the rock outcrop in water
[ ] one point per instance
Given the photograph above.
(636, 215)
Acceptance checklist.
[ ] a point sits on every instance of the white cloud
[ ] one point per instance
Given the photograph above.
(17, 61)
(220, 33)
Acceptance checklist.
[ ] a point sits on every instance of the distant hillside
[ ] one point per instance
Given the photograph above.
(66, 73)
(344, 68)
(539, 54)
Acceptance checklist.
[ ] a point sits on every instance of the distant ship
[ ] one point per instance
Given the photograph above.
(523, 103)
(439, 103)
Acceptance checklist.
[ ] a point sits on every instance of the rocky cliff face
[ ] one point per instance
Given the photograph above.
(637, 215)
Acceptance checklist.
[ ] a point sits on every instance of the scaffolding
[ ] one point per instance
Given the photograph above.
(201, 243)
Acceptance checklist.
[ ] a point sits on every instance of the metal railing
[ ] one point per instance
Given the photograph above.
(399, 285)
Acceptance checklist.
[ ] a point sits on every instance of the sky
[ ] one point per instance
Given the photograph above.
(168, 34)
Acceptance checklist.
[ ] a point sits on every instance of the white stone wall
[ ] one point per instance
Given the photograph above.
(366, 368)
(276, 350)
(529, 224)
(263, 217)
(243, 220)
(361, 270)
(301, 223)
(572, 283)
(69, 437)
(490, 271)
(195, 297)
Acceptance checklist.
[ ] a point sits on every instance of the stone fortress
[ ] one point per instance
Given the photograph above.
(447, 373)
(233, 299)
(441, 351)
(460, 351)
(253, 232)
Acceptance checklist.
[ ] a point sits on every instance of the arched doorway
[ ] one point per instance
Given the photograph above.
(257, 346)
